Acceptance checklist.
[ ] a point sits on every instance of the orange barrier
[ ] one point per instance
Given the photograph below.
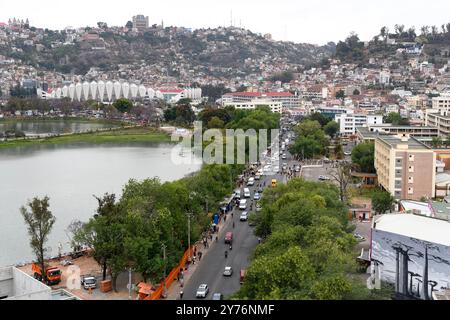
(156, 295)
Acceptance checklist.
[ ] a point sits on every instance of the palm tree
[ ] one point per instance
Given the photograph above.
(436, 142)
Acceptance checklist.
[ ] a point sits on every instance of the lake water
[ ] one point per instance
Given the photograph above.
(70, 175)
(53, 126)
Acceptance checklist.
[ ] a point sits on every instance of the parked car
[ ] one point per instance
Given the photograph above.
(257, 196)
(359, 237)
(202, 291)
(217, 296)
(251, 181)
(247, 193)
(228, 271)
(66, 262)
(237, 194)
(244, 216)
(347, 153)
(258, 207)
(257, 176)
(284, 156)
(243, 204)
(323, 178)
(88, 282)
(297, 168)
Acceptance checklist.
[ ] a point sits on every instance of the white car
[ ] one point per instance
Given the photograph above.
(348, 153)
(251, 181)
(202, 291)
(323, 178)
(257, 176)
(228, 271)
(243, 204)
(284, 156)
(247, 193)
(244, 216)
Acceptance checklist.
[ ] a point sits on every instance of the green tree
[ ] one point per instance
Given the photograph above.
(436, 142)
(216, 122)
(363, 157)
(382, 201)
(331, 128)
(317, 116)
(340, 94)
(39, 221)
(123, 105)
(396, 119)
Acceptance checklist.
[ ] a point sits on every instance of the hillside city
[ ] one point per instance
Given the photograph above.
(350, 201)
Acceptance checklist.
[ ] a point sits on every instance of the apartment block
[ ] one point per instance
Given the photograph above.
(406, 168)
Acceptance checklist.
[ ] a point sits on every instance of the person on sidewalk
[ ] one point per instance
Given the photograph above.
(199, 256)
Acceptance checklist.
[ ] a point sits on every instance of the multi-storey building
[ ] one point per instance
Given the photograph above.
(287, 99)
(349, 121)
(253, 104)
(406, 168)
(140, 22)
(439, 115)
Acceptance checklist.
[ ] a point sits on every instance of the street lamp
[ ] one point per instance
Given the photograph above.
(163, 246)
(189, 215)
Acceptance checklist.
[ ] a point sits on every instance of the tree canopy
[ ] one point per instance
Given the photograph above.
(363, 157)
(307, 251)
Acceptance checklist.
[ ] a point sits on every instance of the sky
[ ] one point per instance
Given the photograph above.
(309, 21)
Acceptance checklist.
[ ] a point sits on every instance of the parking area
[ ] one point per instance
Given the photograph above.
(89, 266)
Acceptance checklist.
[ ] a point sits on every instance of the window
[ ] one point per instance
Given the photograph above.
(411, 157)
(411, 169)
(410, 190)
(410, 179)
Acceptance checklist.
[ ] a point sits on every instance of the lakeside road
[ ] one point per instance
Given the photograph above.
(124, 134)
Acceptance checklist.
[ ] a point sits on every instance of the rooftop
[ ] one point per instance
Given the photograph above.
(415, 226)
(260, 94)
(396, 141)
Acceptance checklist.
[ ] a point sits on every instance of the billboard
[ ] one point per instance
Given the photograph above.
(415, 267)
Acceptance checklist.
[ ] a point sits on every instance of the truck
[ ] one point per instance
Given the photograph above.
(53, 274)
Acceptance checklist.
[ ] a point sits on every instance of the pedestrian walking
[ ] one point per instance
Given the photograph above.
(200, 255)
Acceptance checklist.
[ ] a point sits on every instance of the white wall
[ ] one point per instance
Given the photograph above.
(20, 286)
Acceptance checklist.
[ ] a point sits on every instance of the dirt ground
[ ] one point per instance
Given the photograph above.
(88, 265)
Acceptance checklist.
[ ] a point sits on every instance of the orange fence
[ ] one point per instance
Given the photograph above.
(156, 295)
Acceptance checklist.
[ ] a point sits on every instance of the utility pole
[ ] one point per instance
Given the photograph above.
(129, 283)
(163, 246)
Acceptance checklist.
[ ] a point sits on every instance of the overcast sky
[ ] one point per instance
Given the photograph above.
(312, 21)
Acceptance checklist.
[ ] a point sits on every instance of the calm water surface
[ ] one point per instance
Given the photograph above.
(70, 175)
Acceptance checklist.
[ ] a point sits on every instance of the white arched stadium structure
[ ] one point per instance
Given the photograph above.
(110, 91)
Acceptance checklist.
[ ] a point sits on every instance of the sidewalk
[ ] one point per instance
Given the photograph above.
(173, 293)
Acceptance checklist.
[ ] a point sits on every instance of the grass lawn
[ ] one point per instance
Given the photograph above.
(120, 135)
